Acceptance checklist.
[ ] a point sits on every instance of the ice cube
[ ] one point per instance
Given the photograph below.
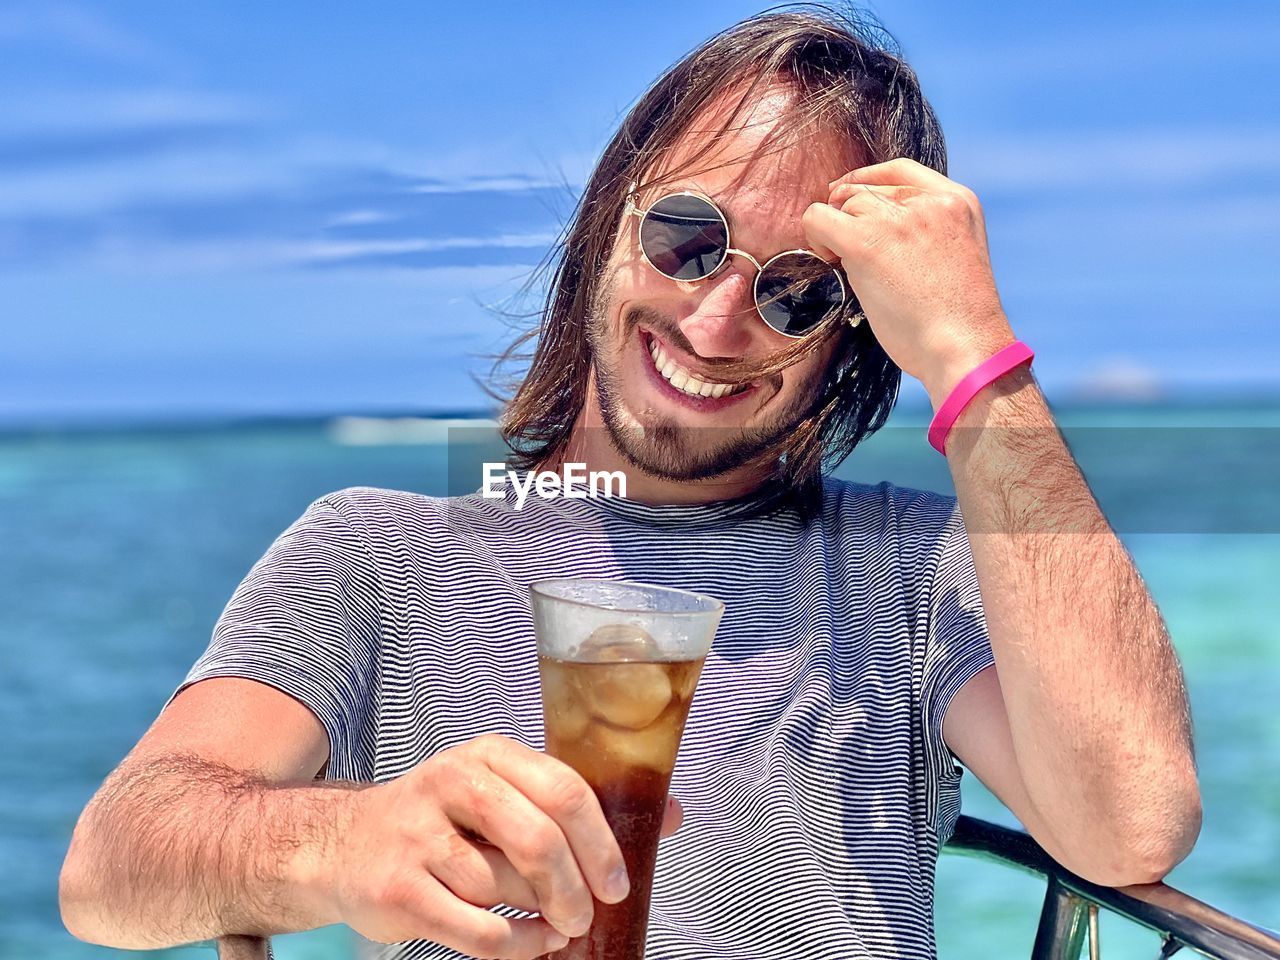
(630, 695)
(617, 642)
(565, 712)
(619, 749)
(568, 720)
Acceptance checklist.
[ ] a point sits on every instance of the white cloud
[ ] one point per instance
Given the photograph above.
(75, 28)
(81, 110)
(465, 184)
(73, 31)
(360, 218)
(1155, 41)
(330, 251)
(1154, 158)
(142, 256)
(282, 162)
(211, 172)
(498, 163)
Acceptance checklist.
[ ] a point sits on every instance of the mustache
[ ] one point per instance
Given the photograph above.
(727, 369)
(669, 331)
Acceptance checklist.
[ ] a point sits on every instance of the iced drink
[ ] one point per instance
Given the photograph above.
(615, 699)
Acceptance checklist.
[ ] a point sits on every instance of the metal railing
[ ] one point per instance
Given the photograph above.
(1071, 905)
(1070, 912)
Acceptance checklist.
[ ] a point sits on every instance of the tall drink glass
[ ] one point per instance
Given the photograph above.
(619, 662)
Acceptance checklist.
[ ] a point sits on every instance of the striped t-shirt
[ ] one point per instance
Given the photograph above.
(815, 781)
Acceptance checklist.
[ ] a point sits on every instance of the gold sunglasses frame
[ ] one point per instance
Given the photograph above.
(633, 209)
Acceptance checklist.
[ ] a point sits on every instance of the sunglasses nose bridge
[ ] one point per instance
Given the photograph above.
(734, 251)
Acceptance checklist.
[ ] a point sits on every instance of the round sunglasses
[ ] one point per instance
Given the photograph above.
(685, 236)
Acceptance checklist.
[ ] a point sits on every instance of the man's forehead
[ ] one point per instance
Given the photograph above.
(771, 183)
(760, 152)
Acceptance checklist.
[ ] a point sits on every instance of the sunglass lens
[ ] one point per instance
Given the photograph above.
(684, 237)
(796, 291)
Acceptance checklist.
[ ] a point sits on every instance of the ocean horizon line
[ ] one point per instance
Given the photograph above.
(92, 422)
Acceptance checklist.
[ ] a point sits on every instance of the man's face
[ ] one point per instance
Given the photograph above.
(647, 404)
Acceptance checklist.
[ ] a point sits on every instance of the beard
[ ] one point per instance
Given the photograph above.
(669, 450)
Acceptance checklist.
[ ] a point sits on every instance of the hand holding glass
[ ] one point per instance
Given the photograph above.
(619, 663)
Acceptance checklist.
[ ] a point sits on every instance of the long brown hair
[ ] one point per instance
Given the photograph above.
(849, 81)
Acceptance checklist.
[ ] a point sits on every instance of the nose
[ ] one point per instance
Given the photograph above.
(720, 325)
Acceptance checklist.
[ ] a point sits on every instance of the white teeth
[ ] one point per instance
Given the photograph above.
(682, 379)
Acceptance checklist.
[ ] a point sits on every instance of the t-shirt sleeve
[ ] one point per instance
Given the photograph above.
(305, 620)
(957, 647)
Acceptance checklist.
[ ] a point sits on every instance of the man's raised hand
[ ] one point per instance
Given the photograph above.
(914, 246)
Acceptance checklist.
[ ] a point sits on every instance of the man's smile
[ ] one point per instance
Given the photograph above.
(678, 382)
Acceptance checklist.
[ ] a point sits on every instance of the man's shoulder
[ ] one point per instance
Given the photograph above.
(355, 501)
(372, 504)
(903, 511)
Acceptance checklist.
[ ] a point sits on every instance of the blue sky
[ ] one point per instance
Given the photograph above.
(225, 207)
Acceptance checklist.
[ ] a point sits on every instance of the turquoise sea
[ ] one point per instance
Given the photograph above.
(119, 547)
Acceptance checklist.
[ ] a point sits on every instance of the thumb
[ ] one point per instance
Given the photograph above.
(672, 817)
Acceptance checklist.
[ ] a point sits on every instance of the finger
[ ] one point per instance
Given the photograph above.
(880, 193)
(901, 171)
(825, 253)
(672, 817)
(561, 792)
(865, 205)
(436, 914)
(478, 873)
(833, 230)
(530, 839)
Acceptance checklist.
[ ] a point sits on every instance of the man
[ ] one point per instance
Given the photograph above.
(384, 641)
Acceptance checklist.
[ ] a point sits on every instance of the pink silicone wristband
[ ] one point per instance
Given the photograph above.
(981, 376)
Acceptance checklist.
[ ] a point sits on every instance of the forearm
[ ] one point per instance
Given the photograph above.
(178, 850)
(1092, 687)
